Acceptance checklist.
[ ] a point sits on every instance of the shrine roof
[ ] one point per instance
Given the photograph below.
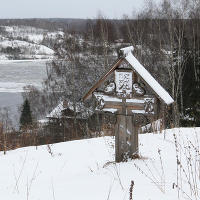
(146, 76)
(140, 70)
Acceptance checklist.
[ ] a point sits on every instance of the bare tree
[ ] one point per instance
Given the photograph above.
(6, 126)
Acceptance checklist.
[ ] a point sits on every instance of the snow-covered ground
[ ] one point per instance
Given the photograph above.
(85, 169)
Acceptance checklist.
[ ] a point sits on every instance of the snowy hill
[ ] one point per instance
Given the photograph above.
(24, 42)
(29, 33)
(85, 169)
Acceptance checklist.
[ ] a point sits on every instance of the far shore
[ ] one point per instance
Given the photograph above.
(22, 61)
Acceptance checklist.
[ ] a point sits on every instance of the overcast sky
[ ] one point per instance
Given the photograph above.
(67, 8)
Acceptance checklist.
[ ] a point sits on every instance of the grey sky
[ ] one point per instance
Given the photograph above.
(67, 8)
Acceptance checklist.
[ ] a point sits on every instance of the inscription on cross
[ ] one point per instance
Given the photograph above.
(126, 99)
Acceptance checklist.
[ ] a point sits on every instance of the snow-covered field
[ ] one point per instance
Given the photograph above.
(85, 169)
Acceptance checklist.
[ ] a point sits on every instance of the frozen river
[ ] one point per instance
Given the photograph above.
(13, 77)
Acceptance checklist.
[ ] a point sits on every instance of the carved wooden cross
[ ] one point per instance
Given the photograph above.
(127, 100)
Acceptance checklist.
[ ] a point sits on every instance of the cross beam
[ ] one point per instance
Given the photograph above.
(138, 105)
(126, 128)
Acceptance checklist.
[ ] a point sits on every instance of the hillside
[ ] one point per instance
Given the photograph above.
(26, 42)
(84, 169)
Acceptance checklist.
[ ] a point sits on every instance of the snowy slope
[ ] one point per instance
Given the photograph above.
(31, 34)
(85, 169)
(34, 48)
(33, 43)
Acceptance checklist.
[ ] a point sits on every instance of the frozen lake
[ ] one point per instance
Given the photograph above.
(13, 77)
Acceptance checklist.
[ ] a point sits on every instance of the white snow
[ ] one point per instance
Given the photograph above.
(106, 97)
(158, 89)
(128, 132)
(29, 47)
(27, 41)
(57, 111)
(85, 169)
(138, 111)
(29, 33)
(55, 34)
(127, 50)
(112, 110)
(37, 38)
(134, 100)
(3, 57)
(9, 28)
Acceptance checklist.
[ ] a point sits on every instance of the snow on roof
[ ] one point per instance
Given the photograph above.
(127, 50)
(57, 111)
(80, 108)
(158, 89)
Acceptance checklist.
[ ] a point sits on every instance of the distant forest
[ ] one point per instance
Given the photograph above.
(50, 24)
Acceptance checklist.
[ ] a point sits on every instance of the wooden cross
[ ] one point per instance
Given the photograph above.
(126, 98)
(129, 107)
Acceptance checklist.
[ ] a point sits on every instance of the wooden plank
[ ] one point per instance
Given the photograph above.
(122, 137)
(121, 146)
(129, 133)
(135, 107)
(134, 139)
(117, 155)
(126, 137)
(119, 106)
(124, 106)
(103, 78)
(109, 104)
(135, 77)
